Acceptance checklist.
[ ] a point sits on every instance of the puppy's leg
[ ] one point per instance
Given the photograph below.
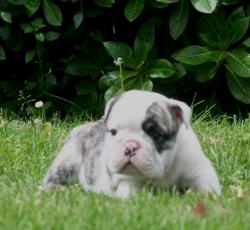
(194, 167)
(66, 165)
(202, 177)
(125, 186)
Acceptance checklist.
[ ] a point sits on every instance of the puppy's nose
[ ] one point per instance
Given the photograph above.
(130, 147)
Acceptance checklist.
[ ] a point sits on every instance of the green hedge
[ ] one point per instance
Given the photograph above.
(63, 52)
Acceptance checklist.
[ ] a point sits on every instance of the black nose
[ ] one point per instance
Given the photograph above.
(131, 147)
(130, 151)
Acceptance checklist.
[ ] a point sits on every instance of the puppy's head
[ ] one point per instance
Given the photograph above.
(142, 128)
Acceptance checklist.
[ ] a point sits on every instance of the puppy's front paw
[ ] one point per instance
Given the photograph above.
(125, 189)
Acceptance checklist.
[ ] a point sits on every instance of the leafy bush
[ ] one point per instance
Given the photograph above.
(62, 52)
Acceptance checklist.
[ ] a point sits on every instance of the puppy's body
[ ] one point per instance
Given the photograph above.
(144, 137)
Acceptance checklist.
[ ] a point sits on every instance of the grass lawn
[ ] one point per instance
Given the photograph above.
(26, 151)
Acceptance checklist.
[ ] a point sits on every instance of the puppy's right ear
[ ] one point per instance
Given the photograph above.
(109, 106)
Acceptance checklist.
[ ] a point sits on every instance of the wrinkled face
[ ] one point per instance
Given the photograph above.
(141, 134)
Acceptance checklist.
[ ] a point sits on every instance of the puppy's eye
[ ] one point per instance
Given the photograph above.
(113, 132)
(156, 135)
(154, 132)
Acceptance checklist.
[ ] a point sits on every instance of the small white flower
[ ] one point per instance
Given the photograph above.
(39, 104)
(118, 61)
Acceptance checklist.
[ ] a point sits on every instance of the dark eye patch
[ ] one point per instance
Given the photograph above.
(160, 138)
(153, 131)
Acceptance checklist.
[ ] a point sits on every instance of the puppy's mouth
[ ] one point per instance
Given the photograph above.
(130, 169)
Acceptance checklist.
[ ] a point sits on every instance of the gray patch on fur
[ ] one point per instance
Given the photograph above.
(89, 140)
(161, 125)
(63, 175)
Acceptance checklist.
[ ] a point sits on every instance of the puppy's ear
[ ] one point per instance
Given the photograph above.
(109, 106)
(181, 111)
(177, 113)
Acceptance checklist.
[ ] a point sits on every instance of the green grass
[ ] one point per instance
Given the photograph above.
(26, 151)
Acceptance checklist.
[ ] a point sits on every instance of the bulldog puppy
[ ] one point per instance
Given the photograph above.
(144, 137)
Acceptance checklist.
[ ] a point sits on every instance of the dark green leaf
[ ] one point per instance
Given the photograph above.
(122, 50)
(193, 55)
(157, 5)
(141, 54)
(2, 53)
(239, 62)
(239, 87)
(30, 85)
(40, 37)
(206, 72)
(104, 3)
(179, 71)
(133, 9)
(238, 30)
(147, 85)
(109, 79)
(132, 83)
(218, 56)
(17, 2)
(78, 19)
(205, 6)
(159, 68)
(212, 30)
(52, 13)
(27, 28)
(210, 39)
(6, 16)
(50, 80)
(29, 56)
(128, 74)
(51, 36)
(236, 15)
(32, 6)
(230, 2)
(4, 32)
(247, 42)
(167, 1)
(112, 91)
(37, 24)
(82, 67)
(179, 18)
(144, 41)
(145, 35)
(117, 49)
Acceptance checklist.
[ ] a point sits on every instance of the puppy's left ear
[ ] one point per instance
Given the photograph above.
(177, 113)
(109, 107)
(181, 111)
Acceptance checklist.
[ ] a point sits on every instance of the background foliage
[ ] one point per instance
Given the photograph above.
(62, 52)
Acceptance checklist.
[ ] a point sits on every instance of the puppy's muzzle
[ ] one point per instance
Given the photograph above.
(131, 147)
